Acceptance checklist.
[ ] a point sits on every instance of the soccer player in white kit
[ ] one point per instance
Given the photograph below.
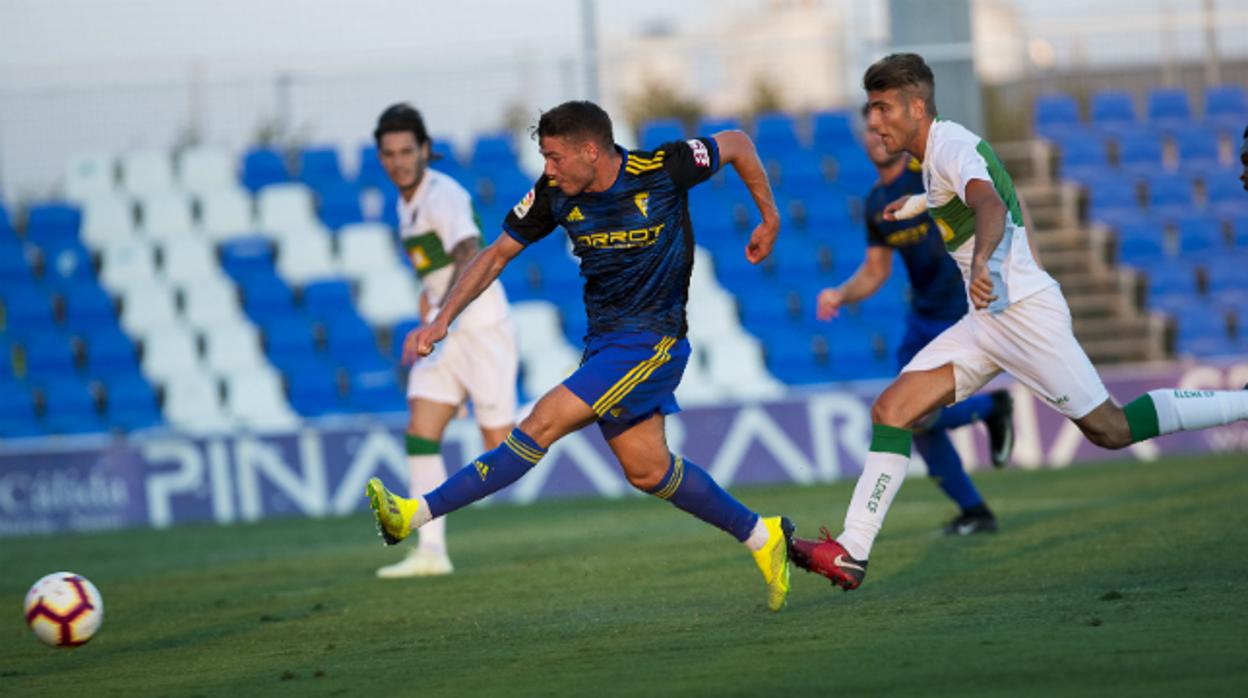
(1019, 322)
(478, 360)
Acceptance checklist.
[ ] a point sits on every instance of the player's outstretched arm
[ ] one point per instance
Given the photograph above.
(736, 149)
(480, 273)
(990, 212)
(864, 282)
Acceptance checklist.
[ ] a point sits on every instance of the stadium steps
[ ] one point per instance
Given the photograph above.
(1103, 299)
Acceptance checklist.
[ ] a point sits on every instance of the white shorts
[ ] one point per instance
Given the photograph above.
(479, 364)
(1032, 340)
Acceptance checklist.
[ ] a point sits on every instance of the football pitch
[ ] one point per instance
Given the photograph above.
(1112, 579)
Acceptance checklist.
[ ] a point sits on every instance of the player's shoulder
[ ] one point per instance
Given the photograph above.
(442, 188)
(950, 138)
(646, 163)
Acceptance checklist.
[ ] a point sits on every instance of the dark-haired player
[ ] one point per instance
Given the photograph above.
(1019, 322)
(478, 360)
(626, 214)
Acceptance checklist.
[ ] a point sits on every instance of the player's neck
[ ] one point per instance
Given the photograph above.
(889, 173)
(409, 192)
(607, 171)
(918, 147)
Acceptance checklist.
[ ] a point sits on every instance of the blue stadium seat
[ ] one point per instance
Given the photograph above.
(88, 308)
(1170, 194)
(1055, 115)
(247, 257)
(1139, 151)
(1197, 148)
(17, 410)
(398, 334)
(710, 125)
(1141, 242)
(775, 134)
(319, 169)
(1200, 234)
(262, 167)
(14, 269)
(1112, 108)
(291, 334)
(131, 403)
(66, 261)
(53, 221)
(1225, 194)
(6, 222)
(659, 131)
(339, 205)
(109, 352)
(27, 308)
(295, 365)
(48, 354)
(1226, 273)
(833, 130)
(376, 391)
(1226, 107)
(1168, 107)
(354, 346)
(855, 173)
(493, 151)
(1085, 157)
(69, 407)
(1113, 200)
(327, 297)
(371, 173)
(1171, 278)
(266, 297)
(315, 394)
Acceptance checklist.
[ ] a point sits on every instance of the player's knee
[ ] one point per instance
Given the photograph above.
(887, 411)
(539, 427)
(1109, 436)
(644, 473)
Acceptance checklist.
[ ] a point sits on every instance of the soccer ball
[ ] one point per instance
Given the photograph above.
(64, 609)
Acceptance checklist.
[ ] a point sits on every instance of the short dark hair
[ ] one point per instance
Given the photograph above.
(577, 120)
(400, 118)
(902, 71)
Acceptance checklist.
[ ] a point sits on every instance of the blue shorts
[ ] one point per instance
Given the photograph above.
(919, 332)
(626, 377)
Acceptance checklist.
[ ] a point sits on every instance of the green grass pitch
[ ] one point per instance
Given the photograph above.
(1114, 579)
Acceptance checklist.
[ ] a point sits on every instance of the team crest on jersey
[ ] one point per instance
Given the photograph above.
(946, 230)
(701, 156)
(576, 216)
(643, 203)
(522, 209)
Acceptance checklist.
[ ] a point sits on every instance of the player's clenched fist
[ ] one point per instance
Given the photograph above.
(981, 286)
(419, 342)
(829, 303)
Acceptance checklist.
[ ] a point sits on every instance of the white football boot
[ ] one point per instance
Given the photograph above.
(418, 563)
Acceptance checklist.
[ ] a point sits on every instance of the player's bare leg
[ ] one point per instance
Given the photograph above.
(1160, 412)
(913, 395)
(643, 454)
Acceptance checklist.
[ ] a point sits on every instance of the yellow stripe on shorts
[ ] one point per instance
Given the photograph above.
(639, 373)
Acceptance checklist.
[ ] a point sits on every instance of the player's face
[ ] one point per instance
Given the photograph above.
(877, 152)
(896, 116)
(570, 163)
(403, 159)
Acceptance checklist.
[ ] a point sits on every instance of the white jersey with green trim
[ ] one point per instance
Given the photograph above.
(954, 156)
(438, 217)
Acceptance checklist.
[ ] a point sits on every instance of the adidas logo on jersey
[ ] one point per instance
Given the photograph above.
(576, 216)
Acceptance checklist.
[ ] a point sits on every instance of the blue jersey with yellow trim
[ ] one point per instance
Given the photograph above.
(936, 283)
(634, 240)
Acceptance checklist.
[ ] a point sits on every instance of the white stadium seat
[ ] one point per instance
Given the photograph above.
(365, 248)
(388, 297)
(169, 352)
(226, 214)
(193, 404)
(105, 218)
(166, 217)
(89, 175)
(127, 263)
(147, 308)
(304, 256)
(205, 169)
(256, 400)
(736, 365)
(286, 208)
(211, 302)
(234, 349)
(188, 260)
(544, 351)
(147, 172)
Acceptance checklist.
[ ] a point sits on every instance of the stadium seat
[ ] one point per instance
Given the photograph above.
(27, 308)
(339, 205)
(659, 131)
(710, 125)
(169, 352)
(328, 296)
(1112, 108)
(109, 352)
(375, 391)
(70, 408)
(225, 214)
(247, 257)
(1084, 157)
(1197, 149)
(266, 298)
(189, 261)
(147, 308)
(210, 302)
(833, 130)
(352, 344)
(1139, 151)
(65, 261)
(1225, 194)
(1227, 273)
(306, 256)
(256, 400)
(285, 209)
(263, 167)
(319, 168)
(14, 269)
(48, 353)
(106, 218)
(193, 404)
(1226, 107)
(1200, 234)
(1112, 200)
(292, 334)
(386, 298)
(233, 348)
(315, 394)
(90, 175)
(166, 217)
(1054, 115)
(492, 151)
(775, 133)
(128, 263)
(204, 169)
(1170, 194)
(53, 222)
(371, 173)
(364, 248)
(131, 404)
(1169, 279)
(1168, 107)
(147, 173)
(88, 308)
(738, 365)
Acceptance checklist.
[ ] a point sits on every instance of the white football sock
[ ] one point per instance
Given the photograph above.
(427, 472)
(882, 475)
(758, 537)
(1188, 410)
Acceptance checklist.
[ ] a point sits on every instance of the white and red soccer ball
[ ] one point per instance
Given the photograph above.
(64, 609)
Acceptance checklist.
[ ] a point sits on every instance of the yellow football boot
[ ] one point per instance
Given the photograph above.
(394, 513)
(773, 561)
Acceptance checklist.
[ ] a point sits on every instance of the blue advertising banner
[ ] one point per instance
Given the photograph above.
(166, 479)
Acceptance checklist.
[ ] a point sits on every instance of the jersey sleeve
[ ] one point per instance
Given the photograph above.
(958, 162)
(690, 162)
(455, 219)
(532, 218)
(871, 219)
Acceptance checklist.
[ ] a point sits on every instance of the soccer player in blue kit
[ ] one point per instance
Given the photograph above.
(938, 301)
(627, 216)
